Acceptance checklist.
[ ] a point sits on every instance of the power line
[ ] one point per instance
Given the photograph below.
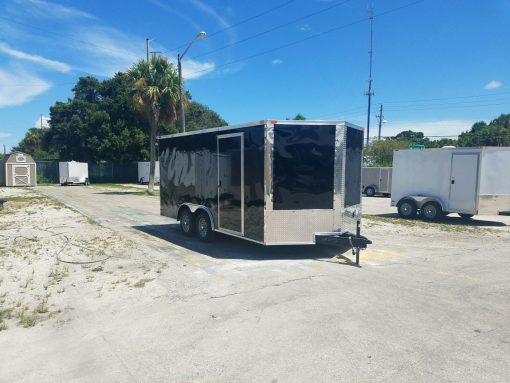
(241, 22)
(295, 42)
(271, 29)
(448, 98)
(452, 107)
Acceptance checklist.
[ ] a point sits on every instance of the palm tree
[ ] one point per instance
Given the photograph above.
(156, 94)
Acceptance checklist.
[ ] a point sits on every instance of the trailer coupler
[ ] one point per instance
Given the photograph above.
(356, 242)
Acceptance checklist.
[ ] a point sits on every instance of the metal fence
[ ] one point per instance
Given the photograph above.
(99, 172)
(47, 172)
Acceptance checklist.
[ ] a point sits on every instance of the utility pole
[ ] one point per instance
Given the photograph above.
(41, 121)
(370, 93)
(147, 44)
(380, 116)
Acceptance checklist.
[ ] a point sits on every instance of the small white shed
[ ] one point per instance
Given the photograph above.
(73, 172)
(18, 169)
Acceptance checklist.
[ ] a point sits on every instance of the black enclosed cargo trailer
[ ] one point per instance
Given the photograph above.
(271, 182)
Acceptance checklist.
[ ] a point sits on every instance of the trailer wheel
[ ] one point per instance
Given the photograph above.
(370, 191)
(431, 211)
(204, 229)
(466, 216)
(407, 209)
(187, 223)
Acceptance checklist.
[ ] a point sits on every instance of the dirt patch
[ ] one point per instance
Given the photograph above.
(51, 254)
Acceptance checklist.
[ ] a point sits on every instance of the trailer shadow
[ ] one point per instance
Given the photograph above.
(448, 220)
(227, 247)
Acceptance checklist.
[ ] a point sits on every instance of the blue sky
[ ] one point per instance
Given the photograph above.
(438, 66)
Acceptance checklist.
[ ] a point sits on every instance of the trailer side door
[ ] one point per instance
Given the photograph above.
(464, 183)
(231, 183)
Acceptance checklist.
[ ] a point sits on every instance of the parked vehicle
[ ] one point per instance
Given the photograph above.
(143, 172)
(270, 182)
(73, 173)
(376, 180)
(435, 182)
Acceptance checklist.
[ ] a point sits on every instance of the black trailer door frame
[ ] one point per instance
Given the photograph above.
(230, 157)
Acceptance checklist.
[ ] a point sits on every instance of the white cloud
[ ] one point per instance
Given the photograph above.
(18, 87)
(493, 85)
(170, 9)
(5, 134)
(211, 12)
(277, 62)
(429, 128)
(193, 69)
(45, 122)
(41, 8)
(52, 64)
(108, 50)
(304, 28)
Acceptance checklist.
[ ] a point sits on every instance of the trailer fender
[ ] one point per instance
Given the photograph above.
(195, 208)
(422, 200)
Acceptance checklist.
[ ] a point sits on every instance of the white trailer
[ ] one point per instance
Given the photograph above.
(435, 182)
(73, 173)
(376, 180)
(143, 172)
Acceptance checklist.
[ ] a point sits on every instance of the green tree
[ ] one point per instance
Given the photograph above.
(496, 133)
(380, 153)
(35, 143)
(409, 135)
(156, 94)
(199, 116)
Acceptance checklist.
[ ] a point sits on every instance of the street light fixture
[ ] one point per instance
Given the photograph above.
(180, 56)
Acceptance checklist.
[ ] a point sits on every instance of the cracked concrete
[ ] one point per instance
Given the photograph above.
(298, 314)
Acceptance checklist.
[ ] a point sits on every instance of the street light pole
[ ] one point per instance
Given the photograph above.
(180, 56)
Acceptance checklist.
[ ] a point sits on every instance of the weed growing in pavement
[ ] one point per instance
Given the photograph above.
(141, 283)
(28, 321)
(42, 307)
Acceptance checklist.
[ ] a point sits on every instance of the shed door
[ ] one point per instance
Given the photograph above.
(463, 183)
(21, 175)
(231, 182)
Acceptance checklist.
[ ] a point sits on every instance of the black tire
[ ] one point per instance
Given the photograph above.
(203, 227)
(187, 222)
(407, 209)
(370, 191)
(431, 211)
(466, 216)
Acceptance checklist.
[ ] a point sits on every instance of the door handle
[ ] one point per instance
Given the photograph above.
(453, 182)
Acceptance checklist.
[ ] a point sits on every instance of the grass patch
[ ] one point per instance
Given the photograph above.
(6, 314)
(20, 198)
(449, 227)
(126, 189)
(142, 282)
(28, 321)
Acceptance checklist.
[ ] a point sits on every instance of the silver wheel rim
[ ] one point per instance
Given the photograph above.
(370, 192)
(186, 222)
(202, 227)
(430, 211)
(406, 209)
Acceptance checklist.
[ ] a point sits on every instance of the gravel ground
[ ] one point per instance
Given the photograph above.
(429, 302)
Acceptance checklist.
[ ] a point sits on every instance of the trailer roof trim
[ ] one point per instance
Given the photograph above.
(263, 122)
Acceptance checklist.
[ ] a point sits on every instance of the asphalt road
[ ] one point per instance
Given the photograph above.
(425, 306)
